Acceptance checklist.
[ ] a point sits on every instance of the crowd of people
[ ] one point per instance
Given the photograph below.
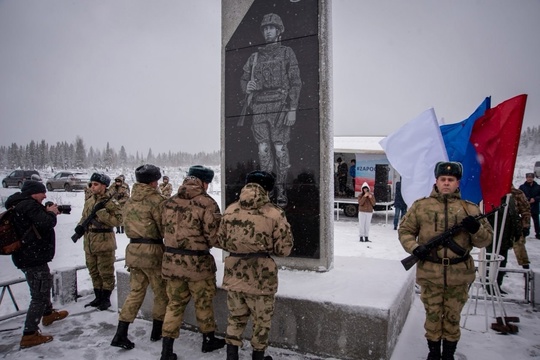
(171, 237)
(169, 250)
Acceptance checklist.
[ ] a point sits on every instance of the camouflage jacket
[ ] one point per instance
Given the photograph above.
(166, 190)
(120, 193)
(254, 225)
(431, 216)
(142, 219)
(190, 221)
(106, 218)
(276, 74)
(523, 207)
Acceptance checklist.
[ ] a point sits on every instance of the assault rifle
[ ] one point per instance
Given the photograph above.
(445, 237)
(81, 229)
(248, 97)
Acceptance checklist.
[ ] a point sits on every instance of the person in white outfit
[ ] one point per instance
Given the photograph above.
(366, 202)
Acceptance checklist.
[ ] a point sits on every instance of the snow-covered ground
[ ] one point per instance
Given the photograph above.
(86, 334)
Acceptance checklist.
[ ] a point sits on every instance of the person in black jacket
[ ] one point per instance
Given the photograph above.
(399, 205)
(531, 189)
(35, 224)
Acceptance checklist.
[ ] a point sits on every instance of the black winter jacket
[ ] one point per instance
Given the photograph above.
(532, 191)
(35, 251)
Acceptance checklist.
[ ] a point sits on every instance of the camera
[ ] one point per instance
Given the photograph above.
(63, 209)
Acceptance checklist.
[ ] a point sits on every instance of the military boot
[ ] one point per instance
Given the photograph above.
(448, 349)
(33, 339)
(211, 342)
(120, 339)
(232, 352)
(259, 355)
(105, 301)
(434, 350)
(167, 349)
(97, 300)
(53, 316)
(157, 326)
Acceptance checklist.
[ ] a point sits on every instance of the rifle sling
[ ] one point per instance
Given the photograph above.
(458, 250)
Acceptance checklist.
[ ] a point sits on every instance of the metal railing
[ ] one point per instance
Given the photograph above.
(6, 288)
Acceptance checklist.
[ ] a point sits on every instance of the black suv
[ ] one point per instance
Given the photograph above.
(17, 177)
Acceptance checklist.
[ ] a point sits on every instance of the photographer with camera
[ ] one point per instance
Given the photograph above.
(35, 224)
(100, 214)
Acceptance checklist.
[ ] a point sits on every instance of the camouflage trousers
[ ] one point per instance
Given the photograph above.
(139, 279)
(101, 268)
(521, 251)
(241, 307)
(180, 292)
(443, 310)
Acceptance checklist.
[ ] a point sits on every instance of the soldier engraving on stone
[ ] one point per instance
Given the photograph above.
(271, 84)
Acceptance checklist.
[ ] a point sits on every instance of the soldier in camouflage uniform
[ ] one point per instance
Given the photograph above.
(524, 211)
(516, 222)
(142, 218)
(252, 229)
(443, 275)
(190, 223)
(119, 191)
(99, 239)
(271, 80)
(166, 187)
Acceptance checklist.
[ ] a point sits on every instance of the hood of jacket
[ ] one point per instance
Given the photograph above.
(253, 196)
(190, 188)
(365, 184)
(140, 191)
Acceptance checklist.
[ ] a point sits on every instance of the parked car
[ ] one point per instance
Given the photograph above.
(537, 169)
(17, 178)
(68, 181)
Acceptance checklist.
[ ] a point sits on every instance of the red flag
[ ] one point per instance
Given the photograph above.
(495, 137)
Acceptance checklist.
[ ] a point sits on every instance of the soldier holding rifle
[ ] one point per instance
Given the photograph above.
(445, 272)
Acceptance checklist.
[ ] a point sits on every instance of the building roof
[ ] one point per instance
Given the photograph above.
(358, 144)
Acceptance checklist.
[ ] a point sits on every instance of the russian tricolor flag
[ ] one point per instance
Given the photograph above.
(486, 144)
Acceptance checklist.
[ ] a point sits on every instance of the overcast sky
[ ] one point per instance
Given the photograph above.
(146, 74)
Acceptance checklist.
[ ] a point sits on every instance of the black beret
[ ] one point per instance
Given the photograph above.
(100, 178)
(31, 187)
(205, 174)
(449, 168)
(266, 180)
(147, 173)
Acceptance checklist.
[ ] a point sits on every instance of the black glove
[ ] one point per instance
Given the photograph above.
(471, 224)
(100, 205)
(79, 230)
(421, 252)
(526, 231)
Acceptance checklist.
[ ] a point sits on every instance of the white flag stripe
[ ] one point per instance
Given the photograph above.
(413, 150)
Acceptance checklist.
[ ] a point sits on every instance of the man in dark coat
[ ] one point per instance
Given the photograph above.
(399, 205)
(35, 223)
(531, 189)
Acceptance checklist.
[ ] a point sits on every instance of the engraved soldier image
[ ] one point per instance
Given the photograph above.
(271, 84)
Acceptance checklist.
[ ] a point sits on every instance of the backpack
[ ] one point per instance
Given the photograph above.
(9, 240)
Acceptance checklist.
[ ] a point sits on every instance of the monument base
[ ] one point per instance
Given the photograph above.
(356, 310)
